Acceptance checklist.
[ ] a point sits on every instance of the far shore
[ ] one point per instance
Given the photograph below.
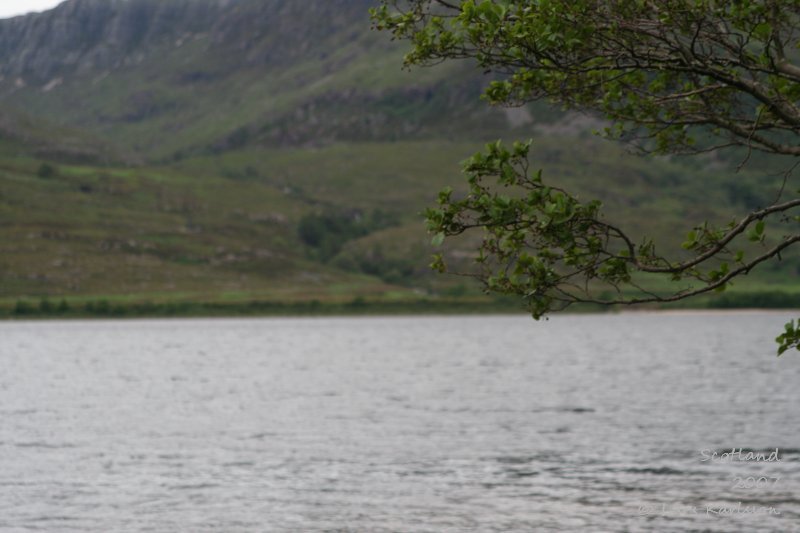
(87, 308)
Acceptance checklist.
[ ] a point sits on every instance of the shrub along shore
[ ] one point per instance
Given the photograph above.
(47, 308)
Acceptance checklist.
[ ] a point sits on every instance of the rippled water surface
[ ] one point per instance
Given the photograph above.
(583, 423)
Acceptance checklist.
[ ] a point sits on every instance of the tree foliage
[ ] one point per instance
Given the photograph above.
(671, 77)
(326, 233)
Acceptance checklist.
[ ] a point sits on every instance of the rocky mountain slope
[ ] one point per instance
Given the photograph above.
(167, 79)
(87, 37)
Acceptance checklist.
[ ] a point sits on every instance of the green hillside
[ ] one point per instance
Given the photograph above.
(230, 157)
(228, 227)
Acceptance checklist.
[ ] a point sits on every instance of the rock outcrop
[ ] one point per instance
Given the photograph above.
(89, 36)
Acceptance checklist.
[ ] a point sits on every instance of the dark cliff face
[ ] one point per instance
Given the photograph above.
(84, 36)
(79, 36)
(285, 28)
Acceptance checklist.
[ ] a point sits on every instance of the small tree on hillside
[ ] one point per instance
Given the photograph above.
(46, 171)
(672, 76)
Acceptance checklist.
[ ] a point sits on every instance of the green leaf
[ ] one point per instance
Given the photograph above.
(444, 195)
(756, 233)
(438, 264)
(691, 241)
(790, 338)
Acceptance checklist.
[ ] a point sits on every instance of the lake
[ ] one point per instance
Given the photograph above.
(615, 422)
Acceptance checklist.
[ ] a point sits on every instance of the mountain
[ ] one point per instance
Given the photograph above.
(231, 150)
(167, 79)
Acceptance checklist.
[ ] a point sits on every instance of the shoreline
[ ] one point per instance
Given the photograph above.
(47, 309)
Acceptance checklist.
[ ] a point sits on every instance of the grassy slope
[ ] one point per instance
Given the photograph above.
(224, 228)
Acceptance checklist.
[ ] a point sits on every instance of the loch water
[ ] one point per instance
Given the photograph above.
(602, 423)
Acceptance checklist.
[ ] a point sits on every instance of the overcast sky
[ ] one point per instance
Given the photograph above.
(10, 8)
